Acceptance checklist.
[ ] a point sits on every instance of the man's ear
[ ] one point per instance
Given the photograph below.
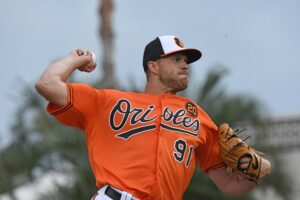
(153, 67)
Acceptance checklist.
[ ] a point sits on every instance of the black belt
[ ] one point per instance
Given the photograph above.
(112, 193)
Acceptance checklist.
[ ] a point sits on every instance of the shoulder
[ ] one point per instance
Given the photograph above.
(87, 87)
(194, 108)
(119, 94)
(196, 111)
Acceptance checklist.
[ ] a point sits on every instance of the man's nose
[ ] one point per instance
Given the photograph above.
(184, 66)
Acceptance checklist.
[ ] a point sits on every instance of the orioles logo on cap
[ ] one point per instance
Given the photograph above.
(179, 42)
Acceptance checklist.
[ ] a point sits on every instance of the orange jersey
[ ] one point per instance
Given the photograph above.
(144, 144)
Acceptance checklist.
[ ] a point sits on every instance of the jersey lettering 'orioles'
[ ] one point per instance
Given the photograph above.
(172, 131)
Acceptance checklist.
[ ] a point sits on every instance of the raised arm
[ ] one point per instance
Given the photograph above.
(51, 85)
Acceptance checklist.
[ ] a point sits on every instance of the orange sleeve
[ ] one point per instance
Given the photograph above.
(208, 153)
(82, 104)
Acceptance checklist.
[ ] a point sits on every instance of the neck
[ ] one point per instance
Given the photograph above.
(157, 88)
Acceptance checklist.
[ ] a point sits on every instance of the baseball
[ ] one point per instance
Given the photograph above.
(92, 64)
(94, 59)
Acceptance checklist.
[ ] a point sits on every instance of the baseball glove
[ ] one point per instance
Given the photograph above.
(234, 151)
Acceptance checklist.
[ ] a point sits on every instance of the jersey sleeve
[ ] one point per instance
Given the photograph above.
(81, 106)
(208, 154)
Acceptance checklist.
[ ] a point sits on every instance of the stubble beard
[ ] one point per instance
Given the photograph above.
(174, 82)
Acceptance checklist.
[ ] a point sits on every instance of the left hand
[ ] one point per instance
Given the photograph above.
(239, 156)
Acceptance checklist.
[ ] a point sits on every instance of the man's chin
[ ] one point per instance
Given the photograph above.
(182, 87)
(185, 83)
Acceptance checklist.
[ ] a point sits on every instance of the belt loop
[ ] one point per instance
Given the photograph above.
(110, 192)
(124, 196)
(127, 195)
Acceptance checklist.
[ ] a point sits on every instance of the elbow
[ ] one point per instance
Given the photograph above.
(38, 86)
(41, 86)
(44, 85)
(52, 90)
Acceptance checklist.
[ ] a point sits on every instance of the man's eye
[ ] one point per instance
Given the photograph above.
(177, 58)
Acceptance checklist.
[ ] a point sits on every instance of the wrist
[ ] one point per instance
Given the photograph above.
(265, 169)
(71, 61)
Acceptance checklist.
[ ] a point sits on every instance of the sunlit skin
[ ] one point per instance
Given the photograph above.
(169, 74)
(174, 72)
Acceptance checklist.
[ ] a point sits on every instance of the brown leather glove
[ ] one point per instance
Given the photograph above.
(238, 155)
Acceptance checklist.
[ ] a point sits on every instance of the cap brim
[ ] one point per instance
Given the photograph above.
(192, 54)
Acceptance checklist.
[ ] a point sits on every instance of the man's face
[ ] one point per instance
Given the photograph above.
(173, 72)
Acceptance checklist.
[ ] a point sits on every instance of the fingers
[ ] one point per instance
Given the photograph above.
(83, 52)
(244, 163)
(80, 52)
(91, 64)
(87, 68)
(88, 52)
(83, 60)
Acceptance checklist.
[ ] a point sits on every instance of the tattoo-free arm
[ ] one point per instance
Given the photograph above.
(51, 85)
(229, 183)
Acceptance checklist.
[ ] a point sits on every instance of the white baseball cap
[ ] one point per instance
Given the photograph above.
(166, 45)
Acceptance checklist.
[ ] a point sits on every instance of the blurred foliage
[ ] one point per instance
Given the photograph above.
(40, 145)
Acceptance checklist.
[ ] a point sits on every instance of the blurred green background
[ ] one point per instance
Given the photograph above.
(248, 76)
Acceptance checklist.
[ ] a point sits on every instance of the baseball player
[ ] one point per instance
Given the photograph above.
(143, 146)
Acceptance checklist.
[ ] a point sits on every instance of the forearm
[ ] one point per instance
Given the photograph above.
(236, 186)
(51, 84)
(60, 70)
(56, 73)
(240, 186)
(229, 182)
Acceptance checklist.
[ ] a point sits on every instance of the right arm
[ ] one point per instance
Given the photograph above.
(51, 85)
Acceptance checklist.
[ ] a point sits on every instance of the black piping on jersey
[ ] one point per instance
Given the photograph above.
(177, 129)
(126, 135)
(70, 103)
(219, 165)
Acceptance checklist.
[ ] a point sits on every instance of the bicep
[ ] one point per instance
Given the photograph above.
(54, 92)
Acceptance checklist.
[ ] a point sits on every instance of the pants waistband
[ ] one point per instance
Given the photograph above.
(109, 192)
